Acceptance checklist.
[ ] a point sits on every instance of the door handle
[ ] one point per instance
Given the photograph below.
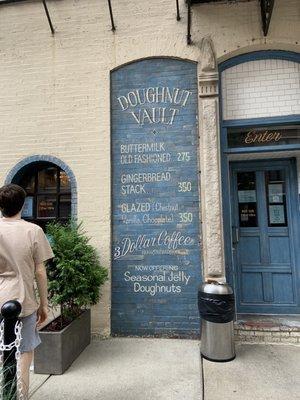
(235, 234)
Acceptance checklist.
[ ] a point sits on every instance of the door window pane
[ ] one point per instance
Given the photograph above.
(47, 180)
(246, 183)
(65, 185)
(28, 183)
(27, 211)
(65, 207)
(276, 198)
(46, 206)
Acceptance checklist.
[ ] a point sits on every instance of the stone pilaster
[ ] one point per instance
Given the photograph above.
(210, 186)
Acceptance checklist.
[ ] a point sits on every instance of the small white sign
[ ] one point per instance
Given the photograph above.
(275, 193)
(277, 214)
(27, 211)
(247, 196)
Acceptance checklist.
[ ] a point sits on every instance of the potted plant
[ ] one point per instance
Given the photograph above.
(74, 279)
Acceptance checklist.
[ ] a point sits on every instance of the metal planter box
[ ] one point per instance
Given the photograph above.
(59, 349)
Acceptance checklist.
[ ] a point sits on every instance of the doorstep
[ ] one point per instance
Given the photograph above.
(267, 328)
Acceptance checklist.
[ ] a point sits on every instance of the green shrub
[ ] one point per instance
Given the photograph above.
(75, 274)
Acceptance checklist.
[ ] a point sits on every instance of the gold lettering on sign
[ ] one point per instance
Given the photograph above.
(262, 137)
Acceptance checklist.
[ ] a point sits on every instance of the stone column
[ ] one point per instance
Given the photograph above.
(210, 182)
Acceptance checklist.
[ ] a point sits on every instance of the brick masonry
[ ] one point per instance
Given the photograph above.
(262, 88)
(154, 287)
(267, 333)
(55, 90)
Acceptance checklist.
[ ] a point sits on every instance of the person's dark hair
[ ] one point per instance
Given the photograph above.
(12, 199)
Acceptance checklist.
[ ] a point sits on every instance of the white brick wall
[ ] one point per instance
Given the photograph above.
(263, 88)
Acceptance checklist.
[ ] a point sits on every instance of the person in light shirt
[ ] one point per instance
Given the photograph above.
(23, 250)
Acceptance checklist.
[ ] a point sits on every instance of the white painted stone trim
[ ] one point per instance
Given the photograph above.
(211, 204)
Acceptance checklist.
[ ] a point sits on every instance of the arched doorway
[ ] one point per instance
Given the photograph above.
(260, 137)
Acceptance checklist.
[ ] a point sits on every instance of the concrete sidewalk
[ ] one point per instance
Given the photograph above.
(168, 369)
(259, 372)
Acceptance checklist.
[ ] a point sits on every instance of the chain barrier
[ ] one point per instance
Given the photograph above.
(8, 347)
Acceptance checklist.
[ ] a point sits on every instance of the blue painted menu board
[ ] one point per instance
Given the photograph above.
(155, 199)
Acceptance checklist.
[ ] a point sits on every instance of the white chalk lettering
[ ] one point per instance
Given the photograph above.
(154, 95)
(132, 189)
(153, 289)
(142, 147)
(135, 207)
(170, 241)
(146, 177)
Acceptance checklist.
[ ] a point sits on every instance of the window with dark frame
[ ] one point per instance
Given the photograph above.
(48, 191)
(276, 198)
(247, 201)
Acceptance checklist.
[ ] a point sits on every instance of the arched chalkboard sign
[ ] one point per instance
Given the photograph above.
(155, 198)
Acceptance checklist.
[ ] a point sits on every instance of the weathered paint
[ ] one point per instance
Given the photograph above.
(266, 254)
(155, 250)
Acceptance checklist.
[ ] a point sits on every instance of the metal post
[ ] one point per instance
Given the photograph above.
(177, 9)
(113, 28)
(48, 17)
(189, 21)
(10, 312)
(266, 8)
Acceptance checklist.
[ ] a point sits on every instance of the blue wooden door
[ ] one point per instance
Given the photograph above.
(265, 236)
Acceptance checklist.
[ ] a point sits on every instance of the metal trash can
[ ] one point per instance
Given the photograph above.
(216, 308)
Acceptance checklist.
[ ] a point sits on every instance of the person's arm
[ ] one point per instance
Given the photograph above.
(41, 280)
